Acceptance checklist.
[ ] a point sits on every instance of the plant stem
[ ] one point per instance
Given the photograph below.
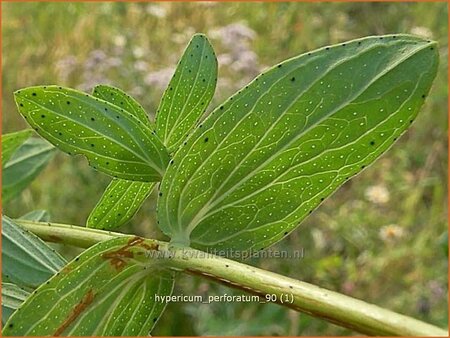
(328, 305)
(67, 234)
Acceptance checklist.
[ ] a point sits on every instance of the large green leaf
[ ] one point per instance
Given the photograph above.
(112, 139)
(262, 161)
(121, 99)
(26, 260)
(12, 141)
(120, 201)
(24, 166)
(12, 298)
(109, 290)
(189, 92)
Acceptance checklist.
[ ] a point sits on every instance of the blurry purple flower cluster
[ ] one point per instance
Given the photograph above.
(236, 39)
(92, 71)
(236, 59)
(160, 78)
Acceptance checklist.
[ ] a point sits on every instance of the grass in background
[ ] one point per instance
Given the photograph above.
(382, 237)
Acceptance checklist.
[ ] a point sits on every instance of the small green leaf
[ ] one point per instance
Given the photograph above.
(37, 216)
(267, 157)
(189, 92)
(119, 203)
(26, 260)
(12, 298)
(12, 141)
(121, 99)
(112, 139)
(109, 290)
(24, 166)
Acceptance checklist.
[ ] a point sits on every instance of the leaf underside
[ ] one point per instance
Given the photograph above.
(118, 204)
(12, 298)
(121, 99)
(12, 141)
(109, 290)
(36, 216)
(189, 92)
(121, 199)
(26, 260)
(262, 161)
(24, 166)
(112, 139)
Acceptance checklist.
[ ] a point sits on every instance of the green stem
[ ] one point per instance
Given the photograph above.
(331, 306)
(68, 234)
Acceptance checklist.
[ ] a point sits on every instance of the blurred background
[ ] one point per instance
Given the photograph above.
(381, 238)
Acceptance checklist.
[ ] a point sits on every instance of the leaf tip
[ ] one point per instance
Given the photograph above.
(199, 36)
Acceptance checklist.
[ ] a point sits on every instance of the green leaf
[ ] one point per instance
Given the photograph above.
(266, 158)
(12, 141)
(36, 216)
(24, 166)
(26, 260)
(121, 199)
(12, 298)
(109, 290)
(189, 92)
(121, 99)
(119, 203)
(112, 139)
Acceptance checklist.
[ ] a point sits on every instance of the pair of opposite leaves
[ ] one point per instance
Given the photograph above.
(260, 162)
